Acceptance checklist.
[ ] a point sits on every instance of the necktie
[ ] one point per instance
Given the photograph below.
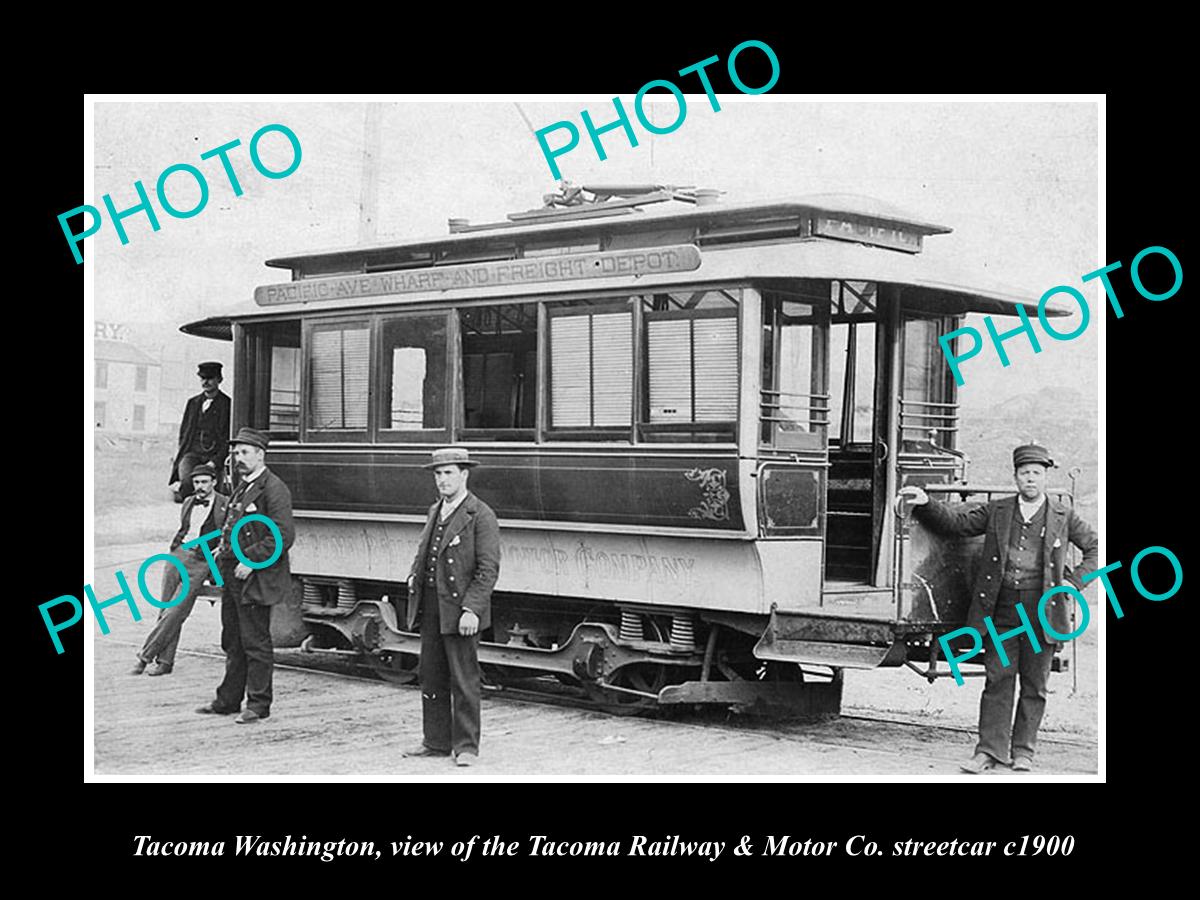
(206, 404)
(203, 502)
(230, 520)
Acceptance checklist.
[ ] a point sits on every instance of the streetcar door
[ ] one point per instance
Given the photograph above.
(927, 454)
(857, 547)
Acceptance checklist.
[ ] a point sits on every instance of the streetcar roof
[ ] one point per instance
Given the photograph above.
(770, 243)
(574, 222)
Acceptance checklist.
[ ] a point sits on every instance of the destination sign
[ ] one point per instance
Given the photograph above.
(880, 235)
(574, 267)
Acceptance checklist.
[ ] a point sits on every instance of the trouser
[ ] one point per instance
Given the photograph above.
(998, 733)
(163, 640)
(246, 640)
(450, 689)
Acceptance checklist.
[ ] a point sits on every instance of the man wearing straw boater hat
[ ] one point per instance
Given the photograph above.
(1023, 557)
(452, 576)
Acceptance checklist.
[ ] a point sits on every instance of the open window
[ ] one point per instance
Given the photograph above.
(928, 417)
(691, 354)
(795, 402)
(591, 370)
(339, 378)
(852, 362)
(272, 378)
(413, 378)
(499, 371)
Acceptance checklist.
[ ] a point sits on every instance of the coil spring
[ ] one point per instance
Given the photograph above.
(346, 595)
(683, 632)
(312, 594)
(631, 626)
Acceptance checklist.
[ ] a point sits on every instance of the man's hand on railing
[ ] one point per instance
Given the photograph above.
(914, 495)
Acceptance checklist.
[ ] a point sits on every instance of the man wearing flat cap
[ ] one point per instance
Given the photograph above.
(1023, 557)
(452, 576)
(203, 512)
(250, 591)
(204, 431)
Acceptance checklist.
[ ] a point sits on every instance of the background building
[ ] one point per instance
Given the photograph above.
(127, 389)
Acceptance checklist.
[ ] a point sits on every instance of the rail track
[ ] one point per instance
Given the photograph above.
(546, 691)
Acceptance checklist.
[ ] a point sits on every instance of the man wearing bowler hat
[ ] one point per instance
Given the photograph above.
(204, 431)
(1026, 538)
(251, 591)
(452, 576)
(203, 512)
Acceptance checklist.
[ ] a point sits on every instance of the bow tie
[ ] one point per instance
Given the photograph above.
(202, 502)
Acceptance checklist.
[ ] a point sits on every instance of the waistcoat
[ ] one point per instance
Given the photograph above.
(1023, 569)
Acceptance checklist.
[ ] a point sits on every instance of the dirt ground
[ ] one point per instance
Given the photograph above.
(894, 724)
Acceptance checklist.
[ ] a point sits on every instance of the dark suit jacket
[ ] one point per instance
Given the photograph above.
(191, 421)
(268, 496)
(213, 521)
(467, 567)
(994, 520)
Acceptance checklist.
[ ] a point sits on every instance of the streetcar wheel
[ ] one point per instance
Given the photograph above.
(649, 678)
(395, 668)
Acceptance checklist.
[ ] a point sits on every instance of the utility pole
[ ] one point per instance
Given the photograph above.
(368, 201)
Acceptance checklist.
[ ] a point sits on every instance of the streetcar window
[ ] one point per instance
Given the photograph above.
(927, 416)
(794, 404)
(272, 378)
(413, 380)
(852, 380)
(339, 373)
(591, 368)
(691, 365)
(499, 369)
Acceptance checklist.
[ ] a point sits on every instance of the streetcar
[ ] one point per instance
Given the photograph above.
(692, 418)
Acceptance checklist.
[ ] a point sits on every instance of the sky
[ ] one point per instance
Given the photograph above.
(1016, 181)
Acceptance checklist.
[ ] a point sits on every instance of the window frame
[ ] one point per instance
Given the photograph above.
(456, 362)
(379, 365)
(724, 431)
(337, 435)
(944, 409)
(626, 302)
(141, 379)
(818, 395)
(248, 398)
(834, 437)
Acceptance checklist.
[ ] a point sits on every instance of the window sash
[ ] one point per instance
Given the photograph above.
(692, 363)
(591, 369)
(339, 359)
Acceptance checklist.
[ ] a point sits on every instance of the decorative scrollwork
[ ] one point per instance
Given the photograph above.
(715, 504)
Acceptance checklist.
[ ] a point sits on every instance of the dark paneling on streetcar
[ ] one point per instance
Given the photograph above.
(691, 416)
